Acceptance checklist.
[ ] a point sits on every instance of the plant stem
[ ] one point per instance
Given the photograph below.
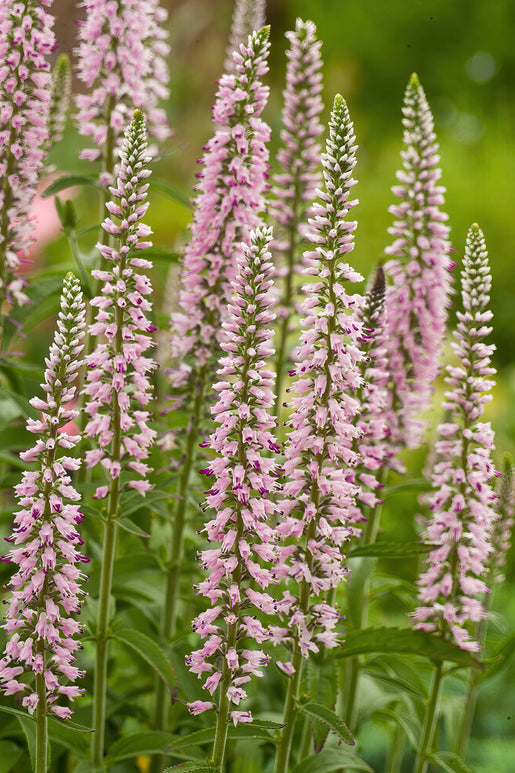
(429, 721)
(286, 301)
(290, 713)
(41, 715)
(394, 763)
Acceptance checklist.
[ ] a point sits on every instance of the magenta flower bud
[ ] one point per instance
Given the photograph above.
(463, 499)
(46, 588)
(417, 302)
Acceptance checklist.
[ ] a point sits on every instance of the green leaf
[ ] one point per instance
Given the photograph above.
(70, 736)
(407, 485)
(322, 690)
(399, 685)
(17, 713)
(150, 651)
(132, 502)
(163, 186)
(405, 640)
(68, 181)
(391, 549)
(450, 762)
(29, 729)
(241, 732)
(408, 722)
(9, 755)
(150, 742)
(22, 404)
(330, 719)
(332, 760)
(500, 659)
(192, 767)
(131, 527)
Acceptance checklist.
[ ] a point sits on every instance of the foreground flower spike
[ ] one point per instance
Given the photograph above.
(299, 158)
(46, 591)
(121, 60)
(244, 476)
(249, 15)
(26, 40)
(420, 269)
(462, 501)
(118, 388)
(319, 494)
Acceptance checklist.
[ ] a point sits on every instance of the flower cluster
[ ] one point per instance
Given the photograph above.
(26, 40)
(46, 586)
(319, 492)
(228, 206)
(121, 60)
(60, 93)
(417, 302)
(503, 526)
(462, 499)
(118, 368)
(244, 477)
(249, 15)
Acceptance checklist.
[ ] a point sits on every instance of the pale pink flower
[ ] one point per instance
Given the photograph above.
(26, 40)
(463, 500)
(418, 299)
(244, 477)
(118, 388)
(319, 494)
(248, 16)
(46, 588)
(121, 59)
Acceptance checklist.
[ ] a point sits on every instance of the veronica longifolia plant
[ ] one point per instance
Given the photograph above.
(46, 588)
(243, 478)
(319, 497)
(417, 302)
(26, 40)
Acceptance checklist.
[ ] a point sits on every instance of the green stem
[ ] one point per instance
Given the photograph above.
(282, 354)
(290, 713)
(430, 720)
(394, 764)
(41, 715)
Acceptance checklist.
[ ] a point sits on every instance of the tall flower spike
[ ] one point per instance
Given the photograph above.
(26, 40)
(418, 300)
(249, 15)
(46, 586)
(244, 476)
(299, 158)
(462, 499)
(121, 60)
(503, 527)
(229, 204)
(318, 495)
(119, 369)
(60, 93)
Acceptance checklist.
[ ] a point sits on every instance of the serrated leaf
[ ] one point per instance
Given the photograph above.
(9, 754)
(391, 549)
(73, 737)
(192, 767)
(500, 659)
(163, 186)
(68, 181)
(405, 640)
(128, 525)
(329, 718)
(330, 760)
(399, 685)
(132, 502)
(239, 733)
(267, 724)
(17, 713)
(150, 742)
(150, 651)
(322, 690)
(29, 730)
(450, 762)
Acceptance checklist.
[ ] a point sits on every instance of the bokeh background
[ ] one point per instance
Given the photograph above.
(464, 55)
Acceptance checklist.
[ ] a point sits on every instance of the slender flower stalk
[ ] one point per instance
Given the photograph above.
(121, 60)
(319, 495)
(118, 388)
(38, 664)
(299, 158)
(26, 40)
(229, 203)
(60, 93)
(248, 16)
(462, 502)
(417, 301)
(244, 477)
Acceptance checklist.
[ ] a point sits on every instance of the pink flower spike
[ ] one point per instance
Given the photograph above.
(463, 502)
(248, 16)
(240, 499)
(417, 302)
(46, 588)
(118, 379)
